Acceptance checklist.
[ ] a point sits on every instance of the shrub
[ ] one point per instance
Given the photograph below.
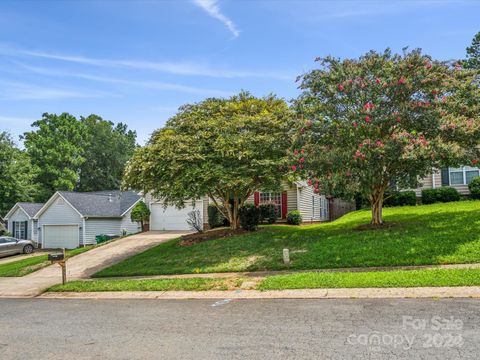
(215, 217)
(447, 194)
(474, 188)
(401, 198)
(249, 217)
(443, 194)
(294, 217)
(268, 213)
(140, 213)
(429, 196)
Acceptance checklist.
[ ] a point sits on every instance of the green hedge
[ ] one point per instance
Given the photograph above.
(400, 198)
(249, 217)
(268, 213)
(443, 194)
(294, 217)
(474, 188)
(215, 217)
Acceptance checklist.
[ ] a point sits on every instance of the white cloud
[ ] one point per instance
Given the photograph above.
(212, 9)
(175, 68)
(21, 91)
(158, 85)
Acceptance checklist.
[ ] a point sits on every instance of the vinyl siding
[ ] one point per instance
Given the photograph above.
(94, 227)
(59, 214)
(307, 198)
(130, 226)
(427, 183)
(20, 215)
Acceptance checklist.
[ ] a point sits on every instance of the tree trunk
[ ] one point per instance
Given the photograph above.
(376, 201)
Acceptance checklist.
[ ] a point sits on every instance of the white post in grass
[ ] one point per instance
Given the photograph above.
(286, 256)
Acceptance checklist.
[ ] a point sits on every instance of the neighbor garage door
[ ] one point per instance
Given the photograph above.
(61, 236)
(171, 218)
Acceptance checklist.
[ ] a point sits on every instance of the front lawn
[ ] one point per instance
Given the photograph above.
(31, 264)
(186, 284)
(378, 279)
(430, 234)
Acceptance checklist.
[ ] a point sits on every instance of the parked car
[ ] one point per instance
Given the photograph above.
(11, 246)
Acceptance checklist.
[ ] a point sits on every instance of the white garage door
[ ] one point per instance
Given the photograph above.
(61, 236)
(171, 218)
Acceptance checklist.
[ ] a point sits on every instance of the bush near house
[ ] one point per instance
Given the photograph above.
(400, 198)
(443, 194)
(474, 188)
(294, 217)
(215, 217)
(249, 217)
(268, 213)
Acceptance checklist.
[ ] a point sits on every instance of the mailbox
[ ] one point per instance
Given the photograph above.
(55, 257)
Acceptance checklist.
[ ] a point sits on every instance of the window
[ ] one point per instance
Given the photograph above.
(274, 198)
(20, 229)
(463, 175)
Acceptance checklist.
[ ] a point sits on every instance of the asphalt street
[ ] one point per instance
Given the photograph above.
(239, 329)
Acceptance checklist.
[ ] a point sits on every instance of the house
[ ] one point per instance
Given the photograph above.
(21, 222)
(296, 196)
(72, 219)
(457, 178)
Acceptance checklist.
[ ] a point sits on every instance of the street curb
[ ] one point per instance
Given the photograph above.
(355, 293)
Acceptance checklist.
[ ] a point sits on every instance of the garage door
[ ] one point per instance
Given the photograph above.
(61, 236)
(171, 218)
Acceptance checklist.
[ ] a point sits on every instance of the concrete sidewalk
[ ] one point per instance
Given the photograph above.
(356, 293)
(84, 265)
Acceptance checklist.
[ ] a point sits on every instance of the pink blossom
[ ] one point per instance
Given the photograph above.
(398, 119)
(316, 191)
(302, 160)
(378, 81)
(302, 130)
(360, 145)
(367, 119)
(302, 151)
(355, 124)
(315, 186)
(475, 161)
(341, 87)
(310, 182)
(349, 173)
(379, 143)
(294, 168)
(428, 65)
(350, 81)
(295, 152)
(402, 81)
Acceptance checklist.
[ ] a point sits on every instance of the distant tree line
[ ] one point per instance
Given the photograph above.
(63, 153)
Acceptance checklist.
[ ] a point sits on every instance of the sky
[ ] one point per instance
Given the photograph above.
(137, 61)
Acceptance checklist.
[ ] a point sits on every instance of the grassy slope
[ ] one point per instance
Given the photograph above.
(379, 279)
(29, 265)
(192, 284)
(430, 234)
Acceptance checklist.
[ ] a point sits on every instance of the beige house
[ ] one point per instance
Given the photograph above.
(457, 178)
(297, 196)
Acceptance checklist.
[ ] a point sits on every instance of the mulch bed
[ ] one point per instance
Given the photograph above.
(192, 239)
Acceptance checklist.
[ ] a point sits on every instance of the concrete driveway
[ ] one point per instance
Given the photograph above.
(84, 265)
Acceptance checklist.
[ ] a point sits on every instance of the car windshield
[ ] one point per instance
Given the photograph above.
(5, 239)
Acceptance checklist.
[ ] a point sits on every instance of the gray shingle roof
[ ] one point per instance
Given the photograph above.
(101, 203)
(31, 208)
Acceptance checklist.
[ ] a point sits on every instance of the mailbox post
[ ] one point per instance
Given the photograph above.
(59, 259)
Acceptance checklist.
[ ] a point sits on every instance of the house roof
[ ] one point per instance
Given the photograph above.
(30, 208)
(113, 203)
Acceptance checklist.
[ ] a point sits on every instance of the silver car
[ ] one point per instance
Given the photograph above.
(11, 246)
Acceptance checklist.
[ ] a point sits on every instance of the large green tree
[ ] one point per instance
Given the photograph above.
(16, 174)
(106, 149)
(56, 147)
(384, 120)
(223, 148)
(473, 54)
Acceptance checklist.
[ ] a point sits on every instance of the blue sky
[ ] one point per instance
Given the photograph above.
(137, 61)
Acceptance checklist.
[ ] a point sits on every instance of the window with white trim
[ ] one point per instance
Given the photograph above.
(463, 175)
(20, 230)
(274, 198)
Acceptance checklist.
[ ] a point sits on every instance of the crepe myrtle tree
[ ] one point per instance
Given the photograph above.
(221, 148)
(381, 120)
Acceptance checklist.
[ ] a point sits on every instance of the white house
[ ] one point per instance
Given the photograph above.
(72, 219)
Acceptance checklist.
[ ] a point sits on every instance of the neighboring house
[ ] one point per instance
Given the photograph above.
(72, 219)
(298, 196)
(21, 222)
(457, 178)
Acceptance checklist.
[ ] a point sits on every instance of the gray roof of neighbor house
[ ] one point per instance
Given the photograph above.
(31, 208)
(113, 203)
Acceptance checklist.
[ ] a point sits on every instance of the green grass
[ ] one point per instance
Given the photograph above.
(31, 264)
(188, 284)
(430, 234)
(378, 279)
